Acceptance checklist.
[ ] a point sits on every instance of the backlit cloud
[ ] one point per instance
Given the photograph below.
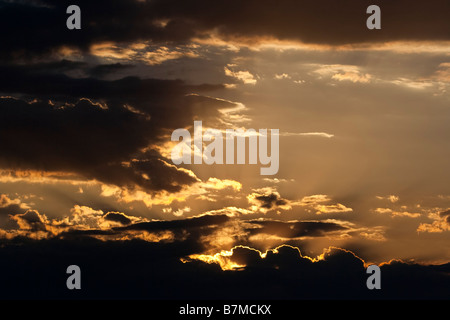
(242, 75)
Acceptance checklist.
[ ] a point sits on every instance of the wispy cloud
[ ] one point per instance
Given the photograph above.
(307, 134)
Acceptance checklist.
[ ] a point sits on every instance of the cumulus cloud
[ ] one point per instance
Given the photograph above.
(242, 75)
(31, 220)
(338, 269)
(11, 205)
(440, 223)
(267, 199)
(82, 219)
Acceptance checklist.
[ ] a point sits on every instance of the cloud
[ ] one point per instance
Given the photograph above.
(6, 202)
(395, 213)
(319, 203)
(392, 198)
(31, 220)
(412, 84)
(352, 76)
(102, 70)
(342, 73)
(295, 229)
(195, 222)
(282, 76)
(244, 76)
(335, 273)
(441, 223)
(210, 190)
(213, 230)
(443, 74)
(141, 52)
(103, 126)
(85, 222)
(398, 210)
(332, 208)
(117, 217)
(130, 21)
(82, 220)
(267, 199)
(307, 134)
(279, 273)
(276, 180)
(177, 250)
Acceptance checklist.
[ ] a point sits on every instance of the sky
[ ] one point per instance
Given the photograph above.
(86, 172)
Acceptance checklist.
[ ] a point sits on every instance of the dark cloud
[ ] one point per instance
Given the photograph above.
(143, 94)
(103, 70)
(270, 200)
(86, 225)
(117, 217)
(32, 29)
(9, 207)
(138, 269)
(202, 221)
(84, 139)
(267, 199)
(30, 220)
(192, 228)
(445, 213)
(295, 229)
(154, 271)
(92, 127)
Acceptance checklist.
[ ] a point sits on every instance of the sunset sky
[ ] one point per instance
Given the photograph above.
(86, 118)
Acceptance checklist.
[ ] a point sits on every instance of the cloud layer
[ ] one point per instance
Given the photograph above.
(180, 21)
(155, 271)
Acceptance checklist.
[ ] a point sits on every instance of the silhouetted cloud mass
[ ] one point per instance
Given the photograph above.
(149, 270)
(86, 126)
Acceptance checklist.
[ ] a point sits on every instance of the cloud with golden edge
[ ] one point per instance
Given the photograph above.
(225, 260)
(36, 225)
(395, 213)
(341, 72)
(205, 190)
(440, 224)
(320, 204)
(242, 75)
